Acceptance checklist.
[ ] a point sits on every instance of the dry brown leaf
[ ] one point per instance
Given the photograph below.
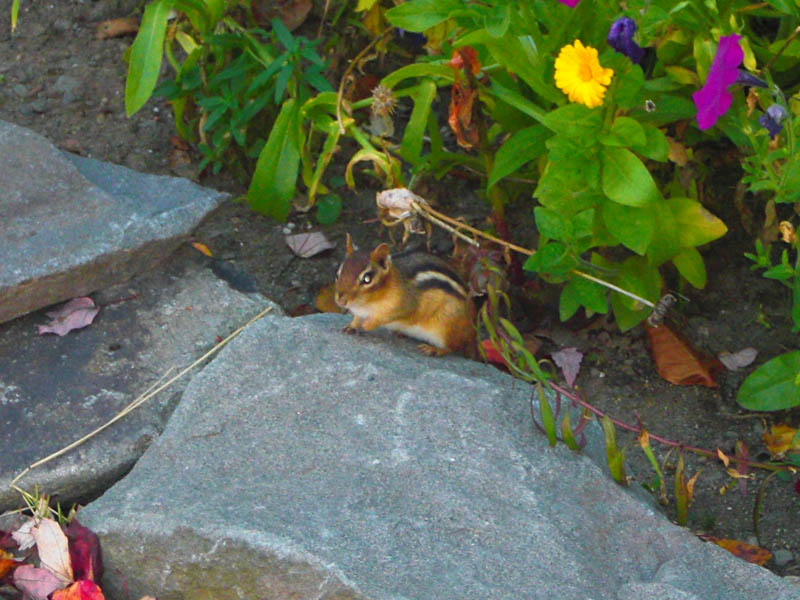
(677, 360)
(306, 245)
(677, 152)
(75, 314)
(723, 457)
(750, 553)
(778, 440)
(53, 549)
(116, 28)
(201, 247)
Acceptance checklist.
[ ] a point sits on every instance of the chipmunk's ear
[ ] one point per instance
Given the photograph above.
(349, 247)
(381, 257)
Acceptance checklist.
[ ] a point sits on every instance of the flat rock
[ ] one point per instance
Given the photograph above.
(71, 225)
(54, 390)
(303, 463)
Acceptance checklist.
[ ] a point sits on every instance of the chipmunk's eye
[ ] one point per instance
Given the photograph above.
(366, 278)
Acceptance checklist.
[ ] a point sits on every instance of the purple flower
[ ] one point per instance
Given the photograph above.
(713, 99)
(620, 38)
(570, 3)
(745, 78)
(772, 120)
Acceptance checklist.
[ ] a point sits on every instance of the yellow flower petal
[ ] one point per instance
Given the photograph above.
(580, 76)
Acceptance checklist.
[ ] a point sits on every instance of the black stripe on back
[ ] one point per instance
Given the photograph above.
(441, 284)
(433, 265)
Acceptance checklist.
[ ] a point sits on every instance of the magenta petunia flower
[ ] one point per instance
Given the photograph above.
(570, 3)
(713, 99)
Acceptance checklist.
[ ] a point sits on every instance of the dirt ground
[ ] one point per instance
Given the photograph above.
(59, 80)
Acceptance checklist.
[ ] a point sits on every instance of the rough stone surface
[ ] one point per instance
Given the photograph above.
(303, 463)
(71, 225)
(54, 390)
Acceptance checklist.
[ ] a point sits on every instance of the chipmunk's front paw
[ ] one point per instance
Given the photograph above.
(351, 329)
(429, 350)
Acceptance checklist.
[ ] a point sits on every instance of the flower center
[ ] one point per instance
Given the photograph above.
(585, 71)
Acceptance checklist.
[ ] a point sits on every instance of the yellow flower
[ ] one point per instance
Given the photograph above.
(580, 76)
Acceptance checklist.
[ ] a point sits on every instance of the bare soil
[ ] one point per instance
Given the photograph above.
(59, 80)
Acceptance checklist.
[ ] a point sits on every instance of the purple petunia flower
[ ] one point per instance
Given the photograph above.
(745, 78)
(713, 99)
(570, 3)
(620, 38)
(772, 119)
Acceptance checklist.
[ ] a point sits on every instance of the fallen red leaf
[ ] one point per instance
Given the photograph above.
(750, 553)
(80, 590)
(84, 552)
(677, 360)
(492, 353)
(7, 563)
(36, 583)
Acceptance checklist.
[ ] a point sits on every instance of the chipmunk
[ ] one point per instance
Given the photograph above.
(419, 296)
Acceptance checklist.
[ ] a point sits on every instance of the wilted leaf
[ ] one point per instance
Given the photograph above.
(84, 552)
(23, 535)
(779, 438)
(53, 549)
(677, 152)
(325, 300)
(80, 590)
(569, 361)
(75, 314)
(462, 115)
(117, 27)
(306, 245)
(750, 553)
(677, 360)
(36, 583)
(723, 457)
(738, 360)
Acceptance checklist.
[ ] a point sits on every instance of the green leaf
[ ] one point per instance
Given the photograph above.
(696, 226)
(588, 293)
(273, 185)
(655, 145)
(284, 36)
(575, 121)
(690, 264)
(423, 96)
(629, 88)
(146, 53)
(435, 70)
(665, 243)
(523, 146)
(419, 15)
(779, 272)
(497, 21)
(631, 226)
(328, 209)
(774, 385)
(641, 278)
(569, 302)
(551, 224)
(624, 132)
(614, 455)
(553, 258)
(546, 412)
(625, 178)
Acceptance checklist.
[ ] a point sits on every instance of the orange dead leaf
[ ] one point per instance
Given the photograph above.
(466, 58)
(462, 115)
(7, 563)
(750, 553)
(200, 247)
(116, 28)
(644, 438)
(677, 360)
(325, 301)
(778, 440)
(80, 590)
(723, 457)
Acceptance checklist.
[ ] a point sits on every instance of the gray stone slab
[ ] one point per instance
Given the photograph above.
(54, 390)
(71, 225)
(304, 463)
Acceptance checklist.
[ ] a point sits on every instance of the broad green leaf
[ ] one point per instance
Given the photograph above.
(553, 258)
(696, 226)
(590, 294)
(418, 70)
(639, 277)
(419, 15)
(624, 132)
(497, 21)
(411, 146)
(683, 76)
(523, 146)
(273, 185)
(575, 121)
(775, 385)
(365, 5)
(789, 190)
(631, 226)
(625, 178)
(552, 224)
(146, 53)
(655, 146)
(518, 101)
(328, 209)
(629, 88)
(569, 302)
(690, 264)
(665, 243)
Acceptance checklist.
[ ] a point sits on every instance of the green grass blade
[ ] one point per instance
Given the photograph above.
(146, 55)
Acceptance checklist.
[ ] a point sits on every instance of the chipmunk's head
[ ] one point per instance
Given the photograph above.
(361, 274)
